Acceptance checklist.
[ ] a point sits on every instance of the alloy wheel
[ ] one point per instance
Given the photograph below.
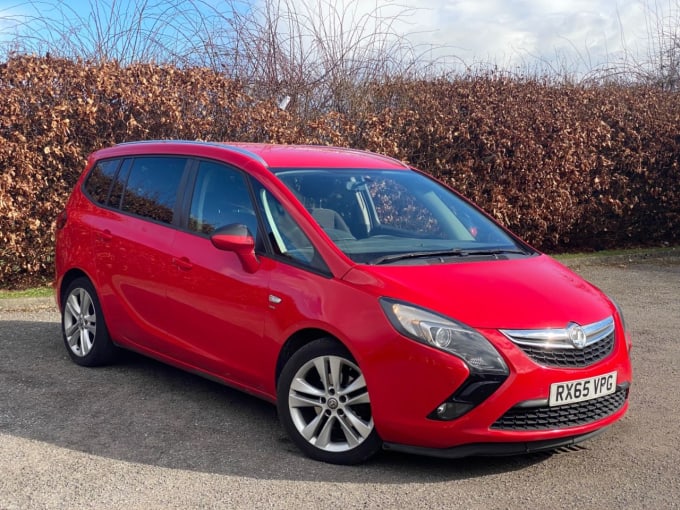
(80, 322)
(329, 404)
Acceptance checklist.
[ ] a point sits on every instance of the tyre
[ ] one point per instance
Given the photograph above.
(324, 405)
(83, 327)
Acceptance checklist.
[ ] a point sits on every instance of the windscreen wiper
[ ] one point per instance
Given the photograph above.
(457, 252)
(495, 251)
(417, 254)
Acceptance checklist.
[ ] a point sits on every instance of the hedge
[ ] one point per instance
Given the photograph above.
(566, 167)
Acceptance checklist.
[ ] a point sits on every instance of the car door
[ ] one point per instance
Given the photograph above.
(132, 248)
(216, 308)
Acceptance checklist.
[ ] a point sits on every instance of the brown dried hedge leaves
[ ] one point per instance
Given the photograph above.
(566, 167)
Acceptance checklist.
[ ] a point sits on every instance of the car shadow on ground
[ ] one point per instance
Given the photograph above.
(143, 411)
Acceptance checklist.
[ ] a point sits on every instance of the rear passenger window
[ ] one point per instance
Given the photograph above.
(152, 187)
(99, 181)
(220, 198)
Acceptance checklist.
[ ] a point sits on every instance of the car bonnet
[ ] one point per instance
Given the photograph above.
(528, 293)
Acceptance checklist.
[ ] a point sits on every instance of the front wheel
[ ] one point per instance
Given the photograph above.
(324, 405)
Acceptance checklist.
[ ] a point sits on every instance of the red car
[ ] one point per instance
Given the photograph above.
(375, 306)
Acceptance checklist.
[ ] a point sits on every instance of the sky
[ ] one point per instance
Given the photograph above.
(515, 32)
(574, 35)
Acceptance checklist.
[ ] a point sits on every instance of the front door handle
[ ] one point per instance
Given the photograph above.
(183, 263)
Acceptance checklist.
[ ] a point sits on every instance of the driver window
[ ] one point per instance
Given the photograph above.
(285, 236)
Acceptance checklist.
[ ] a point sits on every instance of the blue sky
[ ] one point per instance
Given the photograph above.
(573, 34)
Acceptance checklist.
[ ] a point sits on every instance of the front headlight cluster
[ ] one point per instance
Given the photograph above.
(626, 335)
(445, 334)
(620, 311)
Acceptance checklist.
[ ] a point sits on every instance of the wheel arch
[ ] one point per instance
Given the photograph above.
(298, 340)
(67, 279)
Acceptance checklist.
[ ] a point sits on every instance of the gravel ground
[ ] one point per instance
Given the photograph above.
(143, 435)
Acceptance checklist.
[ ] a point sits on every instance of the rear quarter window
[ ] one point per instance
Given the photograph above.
(98, 183)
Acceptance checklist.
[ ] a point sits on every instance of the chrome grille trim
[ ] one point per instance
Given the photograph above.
(558, 338)
(553, 348)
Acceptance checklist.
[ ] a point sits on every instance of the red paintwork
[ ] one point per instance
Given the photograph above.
(175, 296)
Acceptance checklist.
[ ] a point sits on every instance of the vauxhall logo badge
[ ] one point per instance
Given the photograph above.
(576, 335)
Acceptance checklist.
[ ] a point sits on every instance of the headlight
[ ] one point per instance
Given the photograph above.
(620, 312)
(445, 334)
(626, 335)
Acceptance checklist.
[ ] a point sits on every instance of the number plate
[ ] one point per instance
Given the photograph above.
(582, 389)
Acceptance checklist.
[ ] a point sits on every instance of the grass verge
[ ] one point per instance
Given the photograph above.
(27, 293)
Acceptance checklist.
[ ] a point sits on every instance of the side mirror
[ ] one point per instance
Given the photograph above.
(238, 239)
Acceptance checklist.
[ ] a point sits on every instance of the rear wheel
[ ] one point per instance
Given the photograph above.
(324, 405)
(83, 327)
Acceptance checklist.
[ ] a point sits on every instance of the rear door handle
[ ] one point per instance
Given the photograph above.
(105, 235)
(183, 263)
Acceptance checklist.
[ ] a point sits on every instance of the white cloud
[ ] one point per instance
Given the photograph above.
(507, 32)
(580, 34)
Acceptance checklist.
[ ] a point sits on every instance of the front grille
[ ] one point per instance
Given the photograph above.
(570, 415)
(557, 357)
(555, 347)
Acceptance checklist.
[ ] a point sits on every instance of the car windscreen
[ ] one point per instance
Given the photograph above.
(397, 216)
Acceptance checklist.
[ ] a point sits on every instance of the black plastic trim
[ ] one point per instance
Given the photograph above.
(475, 389)
(524, 418)
(492, 449)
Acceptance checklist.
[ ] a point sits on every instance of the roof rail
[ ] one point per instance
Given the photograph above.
(221, 145)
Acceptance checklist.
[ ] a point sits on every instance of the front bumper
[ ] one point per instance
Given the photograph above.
(516, 414)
